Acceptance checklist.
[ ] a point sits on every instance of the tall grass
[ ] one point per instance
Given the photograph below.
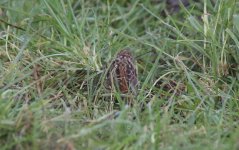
(53, 60)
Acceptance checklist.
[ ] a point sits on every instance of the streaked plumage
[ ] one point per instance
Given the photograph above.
(122, 73)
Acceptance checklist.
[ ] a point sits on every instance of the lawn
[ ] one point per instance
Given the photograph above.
(54, 57)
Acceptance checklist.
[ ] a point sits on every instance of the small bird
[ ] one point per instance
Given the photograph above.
(122, 73)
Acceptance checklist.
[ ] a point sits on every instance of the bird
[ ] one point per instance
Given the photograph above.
(122, 74)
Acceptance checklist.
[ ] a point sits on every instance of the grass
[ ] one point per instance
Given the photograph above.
(53, 59)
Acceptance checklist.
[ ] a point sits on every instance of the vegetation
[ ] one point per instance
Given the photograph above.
(53, 61)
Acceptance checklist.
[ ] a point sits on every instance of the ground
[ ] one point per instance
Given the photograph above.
(53, 61)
